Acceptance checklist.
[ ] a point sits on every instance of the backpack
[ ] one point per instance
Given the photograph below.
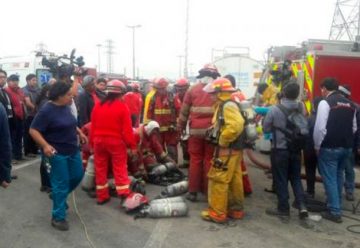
(297, 130)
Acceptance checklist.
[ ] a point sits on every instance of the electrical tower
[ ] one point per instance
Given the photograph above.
(346, 21)
(109, 45)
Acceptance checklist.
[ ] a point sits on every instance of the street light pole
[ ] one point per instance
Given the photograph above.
(99, 59)
(180, 60)
(133, 27)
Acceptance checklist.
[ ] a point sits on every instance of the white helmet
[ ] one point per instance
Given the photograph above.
(151, 126)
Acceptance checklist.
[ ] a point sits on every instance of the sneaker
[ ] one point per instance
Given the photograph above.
(332, 217)
(61, 225)
(303, 214)
(349, 197)
(191, 196)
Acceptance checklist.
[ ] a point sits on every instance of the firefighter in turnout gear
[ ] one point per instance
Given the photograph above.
(226, 193)
(150, 149)
(181, 86)
(197, 109)
(164, 109)
(111, 135)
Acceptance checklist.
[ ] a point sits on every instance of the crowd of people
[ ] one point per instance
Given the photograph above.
(130, 134)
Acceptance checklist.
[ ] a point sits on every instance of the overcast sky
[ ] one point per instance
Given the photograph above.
(66, 24)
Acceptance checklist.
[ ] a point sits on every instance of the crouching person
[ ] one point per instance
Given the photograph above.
(55, 129)
(225, 190)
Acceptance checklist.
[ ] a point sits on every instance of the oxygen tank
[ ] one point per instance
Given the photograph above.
(175, 189)
(161, 210)
(168, 200)
(162, 169)
(88, 182)
(249, 114)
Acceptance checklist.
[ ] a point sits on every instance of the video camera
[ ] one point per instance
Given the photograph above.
(63, 67)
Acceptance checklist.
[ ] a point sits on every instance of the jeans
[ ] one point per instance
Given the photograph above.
(331, 164)
(66, 173)
(29, 144)
(17, 134)
(350, 174)
(286, 166)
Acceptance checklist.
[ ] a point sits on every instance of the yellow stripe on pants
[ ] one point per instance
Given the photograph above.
(226, 187)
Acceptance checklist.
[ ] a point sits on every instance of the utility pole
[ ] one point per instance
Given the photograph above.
(109, 45)
(346, 21)
(186, 39)
(180, 67)
(133, 27)
(99, 58)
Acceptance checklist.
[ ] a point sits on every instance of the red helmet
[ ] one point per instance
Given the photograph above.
(219, 85)
(161, 83)
(135, 85)
(209, 70)
(182, 82)
(134, 201)
(115, 86)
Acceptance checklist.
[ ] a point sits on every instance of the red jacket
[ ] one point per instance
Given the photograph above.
(197, 107)
(148, 144)
(134, 102)
(112, 119)
(17, 99)
(164, 110)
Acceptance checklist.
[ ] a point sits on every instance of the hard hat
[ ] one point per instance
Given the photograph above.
(182, 82)
(161, 83)
(134, 201)
(115, 86)
(135, 85)
(219, 85)
(151, 126)
(209, 70)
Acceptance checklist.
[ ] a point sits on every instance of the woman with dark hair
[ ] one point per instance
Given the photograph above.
(111, 135)
(55, 129)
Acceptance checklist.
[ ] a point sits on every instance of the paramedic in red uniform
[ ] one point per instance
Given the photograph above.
(111, 136)
(197, 108)
(163, 109)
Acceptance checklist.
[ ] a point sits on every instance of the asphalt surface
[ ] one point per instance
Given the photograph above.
(25, 222)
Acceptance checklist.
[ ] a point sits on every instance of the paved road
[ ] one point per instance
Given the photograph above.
(25, 222)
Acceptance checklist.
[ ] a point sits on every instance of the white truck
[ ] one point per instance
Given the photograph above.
(24, 65)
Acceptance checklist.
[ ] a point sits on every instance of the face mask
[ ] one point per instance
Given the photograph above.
(207, 80)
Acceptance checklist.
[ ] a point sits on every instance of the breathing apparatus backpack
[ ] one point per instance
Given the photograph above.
(247, 138)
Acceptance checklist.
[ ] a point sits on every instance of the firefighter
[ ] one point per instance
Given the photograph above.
(150, 149)
(181, 86)
(134, 101)
(226, 193)
(239, 96)
(197, 108)
(111, 135)
(163, 108)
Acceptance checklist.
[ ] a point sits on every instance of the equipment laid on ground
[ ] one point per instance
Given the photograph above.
(137, 185)
(165, 174)
(175, 189)
(88, 182)
(134, 202)
(168, 200)
(161, 209)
